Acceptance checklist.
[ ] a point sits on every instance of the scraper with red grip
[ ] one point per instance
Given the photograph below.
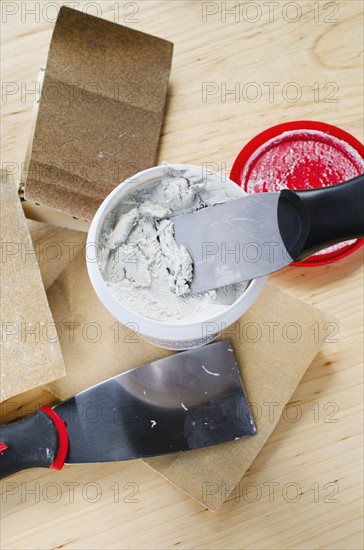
(38, 441)
(186, 401)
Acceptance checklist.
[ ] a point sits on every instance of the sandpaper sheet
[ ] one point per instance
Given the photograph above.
(272, 342)
(30, 352)
(100, 112)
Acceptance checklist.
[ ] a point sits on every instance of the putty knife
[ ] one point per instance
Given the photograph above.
(186, 401)
(258, 234)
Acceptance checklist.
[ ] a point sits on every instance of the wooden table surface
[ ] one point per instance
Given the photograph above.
(317, 46)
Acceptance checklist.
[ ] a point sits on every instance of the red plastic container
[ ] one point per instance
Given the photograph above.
(301, 155)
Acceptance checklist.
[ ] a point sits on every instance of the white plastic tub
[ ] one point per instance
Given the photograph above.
(176, 336)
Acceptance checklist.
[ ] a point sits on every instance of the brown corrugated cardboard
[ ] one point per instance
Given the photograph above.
(30, 352)
(100, 113)
(272, 342)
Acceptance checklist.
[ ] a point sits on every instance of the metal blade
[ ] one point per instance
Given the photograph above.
(232, 242)
(189, 400)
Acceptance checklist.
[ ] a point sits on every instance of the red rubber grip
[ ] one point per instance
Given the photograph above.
(62, 437)
(3, 447)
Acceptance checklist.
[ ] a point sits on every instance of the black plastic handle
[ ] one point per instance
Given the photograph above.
(312, 220)
(30, 443)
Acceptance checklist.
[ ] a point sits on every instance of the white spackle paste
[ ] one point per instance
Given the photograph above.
(140, 260)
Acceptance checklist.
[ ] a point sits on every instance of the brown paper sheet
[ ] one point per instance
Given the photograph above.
(30, 353)
(100, 112)
(272, 359)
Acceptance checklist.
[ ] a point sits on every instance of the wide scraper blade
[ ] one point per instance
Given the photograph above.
(232, 242)
(188, 400)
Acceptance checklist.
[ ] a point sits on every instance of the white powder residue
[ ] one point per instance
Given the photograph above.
(209, 372)
(140, 260)
(270, 168)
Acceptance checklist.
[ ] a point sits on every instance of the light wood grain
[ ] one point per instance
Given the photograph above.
(311, 452)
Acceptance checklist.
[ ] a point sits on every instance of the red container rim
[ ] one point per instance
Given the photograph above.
(258, 141)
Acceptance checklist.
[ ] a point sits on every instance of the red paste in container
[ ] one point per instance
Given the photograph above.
(301, 155)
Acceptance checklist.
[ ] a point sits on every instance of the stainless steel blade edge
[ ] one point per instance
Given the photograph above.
(188, 400)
